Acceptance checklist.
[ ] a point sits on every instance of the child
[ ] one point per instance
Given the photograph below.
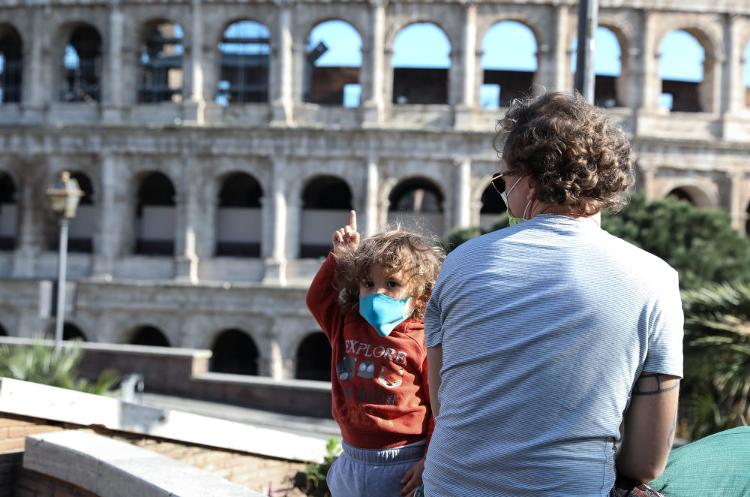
(369, 299)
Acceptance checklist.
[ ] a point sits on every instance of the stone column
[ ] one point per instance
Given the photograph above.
(282, 68)
(371, 198)
(108, 237)
(187, 220)
(553, 71)
(276, 260)
(195, 106)
(463, 194)
(35, 90)
(468, 73)
(113, 105)
(649, 184)
(30, 237)
(650, 81)
(732, 84)
(374, 71)
(736, 207)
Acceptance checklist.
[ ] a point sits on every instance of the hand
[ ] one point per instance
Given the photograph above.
(347, 237)
(412, 478)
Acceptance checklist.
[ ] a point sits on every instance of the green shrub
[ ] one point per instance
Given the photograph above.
(459, 236)
(312, 481)
(717, 358)
(40, 363)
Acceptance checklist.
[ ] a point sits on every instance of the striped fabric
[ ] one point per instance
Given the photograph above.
(544, 328)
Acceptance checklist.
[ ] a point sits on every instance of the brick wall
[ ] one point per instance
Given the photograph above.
(32, 484)
(10, 465)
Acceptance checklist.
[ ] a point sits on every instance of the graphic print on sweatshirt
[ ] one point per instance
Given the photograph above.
(379, 364)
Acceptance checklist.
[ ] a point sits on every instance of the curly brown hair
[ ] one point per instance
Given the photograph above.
(575, 157)
(396, 250)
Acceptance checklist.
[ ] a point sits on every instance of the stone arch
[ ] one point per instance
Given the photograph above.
(11, 54)
(8, 211)
(506, 75)
(147, 335)
(417, 77)
(238, 216)
(82, 64)
(691, 193)
(234, 352)
(244, 62)
(83, 225)
(161, 62)
(155, 214)
(314, 358)
(416, 203)
(3, 331)
(610, 75)
(689, 93)
(332, 77)
(73, 332)
(326, 201)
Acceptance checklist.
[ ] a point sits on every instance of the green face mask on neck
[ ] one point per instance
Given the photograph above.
(513, 220)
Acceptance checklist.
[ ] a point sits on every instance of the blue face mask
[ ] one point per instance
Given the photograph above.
(384, 313)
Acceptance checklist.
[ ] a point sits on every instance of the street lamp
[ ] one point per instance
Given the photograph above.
(64, 196)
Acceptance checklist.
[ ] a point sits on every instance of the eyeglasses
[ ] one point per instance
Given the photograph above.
(498, 182)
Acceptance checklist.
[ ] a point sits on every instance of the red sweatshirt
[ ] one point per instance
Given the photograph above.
(380, 390)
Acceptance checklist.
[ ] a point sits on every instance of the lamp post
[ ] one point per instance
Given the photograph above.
(64, 196)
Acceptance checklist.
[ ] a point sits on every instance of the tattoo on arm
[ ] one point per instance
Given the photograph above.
(655, 387)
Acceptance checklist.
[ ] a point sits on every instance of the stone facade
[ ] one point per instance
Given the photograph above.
(285, 142)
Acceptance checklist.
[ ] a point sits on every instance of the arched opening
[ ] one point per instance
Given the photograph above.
(73, 332)
(83, 226)
(747, 220)
(8, 212)
(681, 69)
(493, 207)
(332, 64)
(682, 194)
(11, 64)
(149, 335)
(245, 54)
(607, 67)
(239, 216)
(161, 63)
(314, 358)
(326, 201)
(421, 65)
(507, 73)
(417, 204)
(155, 216)
(82, 66)
(3, 331)
(234, 352)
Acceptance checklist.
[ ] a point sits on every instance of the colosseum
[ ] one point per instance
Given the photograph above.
(217, 153)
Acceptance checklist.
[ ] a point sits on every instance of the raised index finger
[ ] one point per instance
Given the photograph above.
(353, 220)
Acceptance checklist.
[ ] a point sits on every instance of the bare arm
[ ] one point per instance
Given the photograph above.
(434, 364)
(649, 427)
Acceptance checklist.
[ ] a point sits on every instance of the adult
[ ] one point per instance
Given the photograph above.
(551, 341)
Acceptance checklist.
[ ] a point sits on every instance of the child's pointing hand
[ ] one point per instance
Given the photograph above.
(347, 237)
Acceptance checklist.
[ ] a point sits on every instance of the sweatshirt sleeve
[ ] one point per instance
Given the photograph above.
(322, 299)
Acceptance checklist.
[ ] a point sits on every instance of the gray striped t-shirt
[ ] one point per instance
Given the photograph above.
(544, 328)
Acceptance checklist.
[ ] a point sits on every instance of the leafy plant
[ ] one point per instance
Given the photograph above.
(40, 363)
(312, 481)
(457, 237)
(717, 358)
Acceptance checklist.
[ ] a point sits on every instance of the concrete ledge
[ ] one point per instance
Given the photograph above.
(58, 404)
(115, 469)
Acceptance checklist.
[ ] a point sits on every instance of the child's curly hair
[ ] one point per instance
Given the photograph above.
(396, 250)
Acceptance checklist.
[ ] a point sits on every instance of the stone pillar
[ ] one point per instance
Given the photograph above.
(187, 220)
(195, 107)
(108, 237)
(649, 184)
(650, 81)
(553, 71)
(276, 259)
(35, 90)
(732, 85)
(371, 199)
(113, 105)
(468, 73)
(736, 208)
(463, 194)
(374, 72)
(30, 237)
(282, 68)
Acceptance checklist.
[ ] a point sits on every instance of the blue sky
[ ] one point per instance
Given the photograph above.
(681, 54)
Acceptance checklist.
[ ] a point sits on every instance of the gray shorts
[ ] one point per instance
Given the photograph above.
(371, 472)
